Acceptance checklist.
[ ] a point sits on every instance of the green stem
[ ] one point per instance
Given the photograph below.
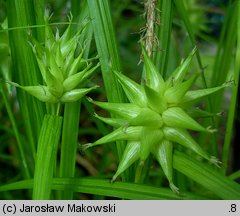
(72, 110)
(58, 109)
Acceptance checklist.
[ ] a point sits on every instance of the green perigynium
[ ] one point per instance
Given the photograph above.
(61, 70)
(155, 117)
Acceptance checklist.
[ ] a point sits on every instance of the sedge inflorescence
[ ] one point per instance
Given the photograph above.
(155, 117)
(62, 70)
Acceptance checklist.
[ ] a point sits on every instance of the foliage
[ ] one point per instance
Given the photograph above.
(49, 58)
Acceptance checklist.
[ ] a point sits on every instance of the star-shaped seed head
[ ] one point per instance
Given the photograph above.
(63, 71)
(155, 118)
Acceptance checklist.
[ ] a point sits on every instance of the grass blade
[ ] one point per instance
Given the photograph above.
(164, 35)
(46, 156)
(108, 53)
(39, 11)
(206, 176)
(121, 190)
(231, 114)
(107, 48)
(225, 47)
(25, 71)
(69, 143)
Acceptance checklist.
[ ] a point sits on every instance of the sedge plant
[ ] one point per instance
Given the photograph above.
(152, 123)
(64, 75)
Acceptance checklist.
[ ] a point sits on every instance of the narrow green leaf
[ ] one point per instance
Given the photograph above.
(39, 10)
(107, 47)
(49, 37)
(46, 156)
(206, 176)
(104, 35)
(69, 142)
(103, 187)
(234, 98)
(186, 19)
(224, 56)
(25, 69)
(163, 33)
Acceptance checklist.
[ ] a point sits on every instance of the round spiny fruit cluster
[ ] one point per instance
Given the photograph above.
(62, 72)
(155, 117)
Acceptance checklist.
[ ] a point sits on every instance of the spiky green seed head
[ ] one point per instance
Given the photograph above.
(155, 117)
(62, 72)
